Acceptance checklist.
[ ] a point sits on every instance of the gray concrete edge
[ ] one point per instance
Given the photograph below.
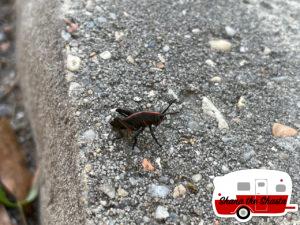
(40, 68)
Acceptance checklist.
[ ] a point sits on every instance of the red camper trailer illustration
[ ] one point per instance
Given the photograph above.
(254, 192)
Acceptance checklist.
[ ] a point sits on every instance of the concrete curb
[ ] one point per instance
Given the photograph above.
(40, 67)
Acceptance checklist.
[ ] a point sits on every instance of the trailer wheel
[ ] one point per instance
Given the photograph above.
(243, 213)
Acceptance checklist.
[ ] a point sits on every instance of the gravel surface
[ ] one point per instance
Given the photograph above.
(233, 67)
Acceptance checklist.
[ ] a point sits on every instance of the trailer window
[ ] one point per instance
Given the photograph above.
(243, 186)
(280, 188)
(261, 184)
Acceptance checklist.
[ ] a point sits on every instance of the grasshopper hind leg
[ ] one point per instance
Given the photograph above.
(135, 137)
(153, 135)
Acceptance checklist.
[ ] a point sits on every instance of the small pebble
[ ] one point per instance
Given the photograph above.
(101, 19)
(209, 186)
(225, 169)
(179, 191)
(69, 77)
(65, 35)
(146, 219)
(133, 181)
(196, 31)
(216, 79)
(243, 49)
(230, 31)
(166, 48)
(173, 94)
(243, 62)
(73, 63)
(90, 5)
(249, 154)
(113, 16)
(151, 93)
(161, 213)
(209, 108)
(267, 51)
(119, 35)
(241, 103)
(122, 192)
(108, 190)
(160, 65)
(197, 177)
(283, 156)
(158, 162)
(130, 59)
(280, 130)
(220, 45)
(88, 168)
(74, 89)
(89, 135)
(107, 119)
(210, 62)
(159, 191)
(105, 55)
(137, 99)
(161, 58)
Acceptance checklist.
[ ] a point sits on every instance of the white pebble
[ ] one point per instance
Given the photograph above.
(196, 31)
(209, 186)
(172, 93)
(166, 48)
(151, 93)
(69, 77)
(74, 89)
(105, 55)
(73, 63)
(210, 62)
(119, 35)
(243, 49)
(225, 168)
(267, 51)
(65, 35)
(220, 45)
(179, 191)
(122, 192)
(243, 62)
(210, 109)
(130, 59)
(197, 177)
(216, 79)
(230, 31)
(113, 16)
(89, 135)
(108, 190)
(137, 99)
(161, 58)
(108, 118)
(159, 191)
(241, 103)
(161, 213)
(88, 168)
(158, 162)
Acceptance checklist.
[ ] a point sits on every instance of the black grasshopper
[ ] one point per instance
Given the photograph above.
(138, 121)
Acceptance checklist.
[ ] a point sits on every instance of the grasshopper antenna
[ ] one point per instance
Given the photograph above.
(164, 112)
